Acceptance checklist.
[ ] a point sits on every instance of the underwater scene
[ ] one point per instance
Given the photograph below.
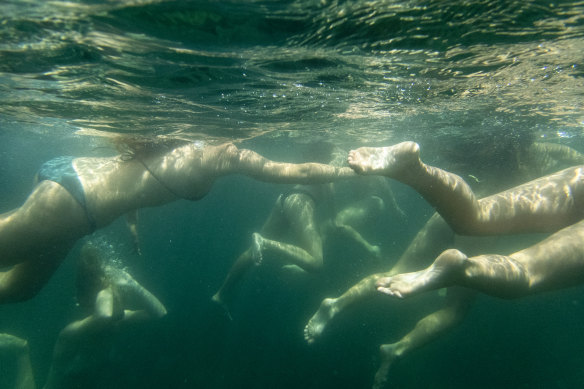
(291, 194)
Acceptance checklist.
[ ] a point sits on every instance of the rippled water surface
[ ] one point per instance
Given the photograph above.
(356, 71)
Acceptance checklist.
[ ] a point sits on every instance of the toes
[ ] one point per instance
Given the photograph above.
(385, 290)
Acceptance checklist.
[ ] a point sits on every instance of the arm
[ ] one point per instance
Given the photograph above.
(149, 305)
(254, 165)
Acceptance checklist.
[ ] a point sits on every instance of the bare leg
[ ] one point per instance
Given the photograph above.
(353, 234)
(298, 212)
(425, 331)
(543, 205)
(330, 307)
(293, 215)
(236, 273)
(250, 257)
(556, 262)
(357, 214)
(25, 280)
(13, 345)
(433, 238)
(442, 273)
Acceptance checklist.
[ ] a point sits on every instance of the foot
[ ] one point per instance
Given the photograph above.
(217, 299)
(318, 322)
(392, 161)
(257, 247)
(388, 353)
(439, 275)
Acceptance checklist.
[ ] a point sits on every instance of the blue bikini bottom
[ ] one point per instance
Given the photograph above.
(61, 171)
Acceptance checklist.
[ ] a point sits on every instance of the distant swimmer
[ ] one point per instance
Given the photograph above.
(114, 300)
(301, 219)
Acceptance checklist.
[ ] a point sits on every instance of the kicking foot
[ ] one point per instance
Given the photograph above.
(389, 354)
(256, 248)
(439, 275)
(319, 320)
(392, 161)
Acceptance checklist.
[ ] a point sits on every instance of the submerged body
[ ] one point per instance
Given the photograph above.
(36, 237)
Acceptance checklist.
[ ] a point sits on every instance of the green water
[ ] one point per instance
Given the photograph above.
(468, 80)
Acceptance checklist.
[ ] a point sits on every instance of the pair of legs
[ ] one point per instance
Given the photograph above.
(293, 216)
(35, 238)
(555, 199)
(546, 204)
(434, 237)
(293, 219)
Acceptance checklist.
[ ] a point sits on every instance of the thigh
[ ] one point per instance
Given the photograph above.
(543, 205)
(557, 261)
(25, 280)
(49, 220)
(299, 210)
(274, 224)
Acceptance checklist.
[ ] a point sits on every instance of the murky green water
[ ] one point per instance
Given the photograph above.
(468, 80)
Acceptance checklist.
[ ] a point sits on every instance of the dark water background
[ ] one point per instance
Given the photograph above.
(468, 80)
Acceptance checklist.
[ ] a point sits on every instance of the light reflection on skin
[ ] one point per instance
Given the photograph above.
(547, 204)
(35, 238)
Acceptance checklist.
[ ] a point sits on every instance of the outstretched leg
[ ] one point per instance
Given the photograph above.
(25, 280)
(556, 262)
(446, 268)
(426, 330)
(330, 307)
(543, 205)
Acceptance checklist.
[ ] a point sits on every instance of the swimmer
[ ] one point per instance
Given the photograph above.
(113, 297)
(76, 196)
(293, 235)
(114, 300)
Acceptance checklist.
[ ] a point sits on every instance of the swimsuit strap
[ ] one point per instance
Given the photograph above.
(161, 182)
